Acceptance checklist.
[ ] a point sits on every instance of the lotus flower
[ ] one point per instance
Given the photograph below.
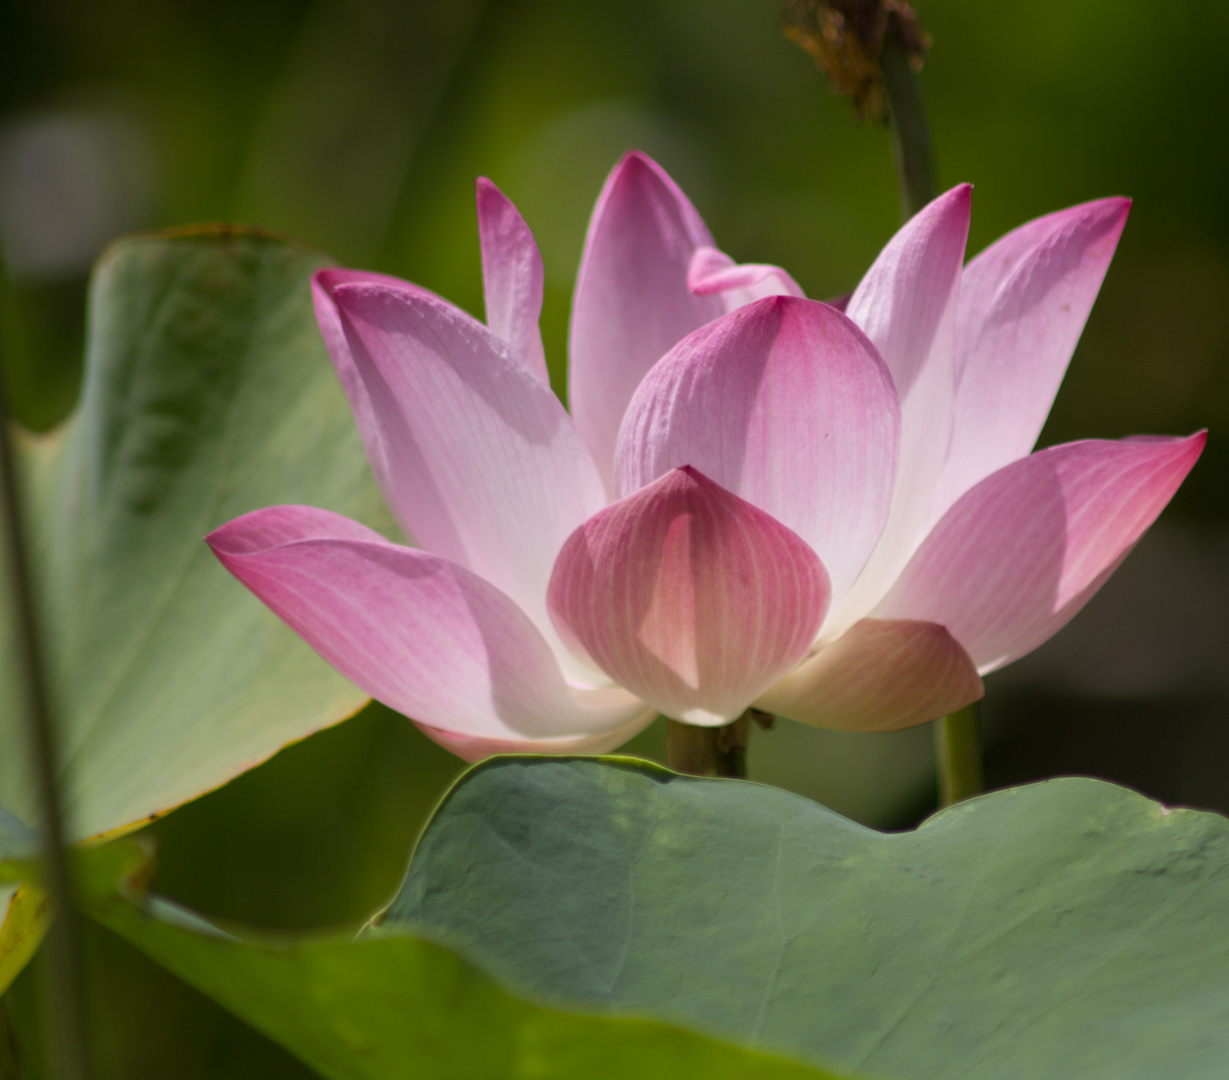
(758, 499)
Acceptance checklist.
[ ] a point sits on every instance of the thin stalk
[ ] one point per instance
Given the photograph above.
(709, 751)
(958, 748)
(10, 1067)
(66, 988)
(915, 168)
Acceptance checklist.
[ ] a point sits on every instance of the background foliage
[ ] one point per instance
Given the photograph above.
(359, 125)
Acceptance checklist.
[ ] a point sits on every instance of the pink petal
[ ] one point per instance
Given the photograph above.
(787, 405)
(713, 273)
(880, 675)
(511, 276)
(484, 462)
(632, 302)
(472, 748)
(323, 284)
(906, 304)
(1024, 550)
(691, 598)
(1023, 304)
(424, 636)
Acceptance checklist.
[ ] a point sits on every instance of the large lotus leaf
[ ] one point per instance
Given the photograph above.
(398, 1008)
(1071, 928)
(207, 393)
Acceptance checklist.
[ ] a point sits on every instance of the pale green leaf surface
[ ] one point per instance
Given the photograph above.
(207, 394)
(398, 1008)
(1068, 929)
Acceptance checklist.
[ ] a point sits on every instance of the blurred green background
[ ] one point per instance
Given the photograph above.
(360, 125)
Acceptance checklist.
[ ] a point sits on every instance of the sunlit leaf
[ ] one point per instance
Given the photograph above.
(1070, 928)
(396, 1007)
(207, 394)
(25, 914)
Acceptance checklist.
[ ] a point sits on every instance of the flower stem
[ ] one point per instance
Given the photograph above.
(915, 170)
(66, 987)
(10, 1067)
(958, 749)
(711, 751)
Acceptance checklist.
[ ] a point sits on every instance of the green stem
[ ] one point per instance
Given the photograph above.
(10, 1067)
(958, 747)
(709, 751)
(915, 169)
(66, 988)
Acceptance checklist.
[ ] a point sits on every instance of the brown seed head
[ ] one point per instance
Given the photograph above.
(846, 37)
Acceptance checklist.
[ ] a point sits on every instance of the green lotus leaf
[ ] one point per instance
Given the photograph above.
(207, 394)
(1070, 928)
(396, 1007)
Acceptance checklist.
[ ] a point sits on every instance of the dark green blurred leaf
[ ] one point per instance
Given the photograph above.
(394, 1007)
(359, 86)
(208, 393)
(317, 836)
(145, 1024)
(1071, 928)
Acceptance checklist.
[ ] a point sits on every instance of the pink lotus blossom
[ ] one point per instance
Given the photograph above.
(758, 499)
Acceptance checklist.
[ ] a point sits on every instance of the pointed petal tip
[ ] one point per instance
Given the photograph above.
(1187, 448)
(330, 283)
(363, 297)
(490, 199)
(1106, 216)
(262, 530)
(631, 303)
(635, 166)
(630, 167)
(329, 278)
(512, 275)
(1022, 551)
(1110, 204)
(245, 535)
(957, 200)
(221, 541)
(1192, 447)
(636, 158)
(326, 280)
